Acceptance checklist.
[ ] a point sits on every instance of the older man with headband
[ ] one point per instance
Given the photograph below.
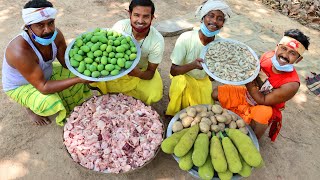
(190, 85)
(29, 75)
(261, 101)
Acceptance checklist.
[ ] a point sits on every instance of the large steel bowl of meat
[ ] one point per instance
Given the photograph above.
(113, 133)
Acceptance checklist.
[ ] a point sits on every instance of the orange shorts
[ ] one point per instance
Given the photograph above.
(233, 98)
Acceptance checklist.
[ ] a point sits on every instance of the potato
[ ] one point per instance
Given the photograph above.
(193, 123)
(210, 113)
(215, 128)
(228, 121)
(206, 120)
(197, 119)
(228, 116)
(209, 107)
(201, 108)
(213, 120)
(186, 122)
(191, 111)
(233, 125)
(203, 114)
(183, 115)
(244, 130)
(240, 123)
(209, 134)
(224, 111)
(217, 109)
(221, 118)
(177, 126)
(204, 127)
(234, 117)
(221, 126)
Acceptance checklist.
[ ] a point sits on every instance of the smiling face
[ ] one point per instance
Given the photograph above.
(286, 55)
(141, 17)
(43, 29)
(214, 20)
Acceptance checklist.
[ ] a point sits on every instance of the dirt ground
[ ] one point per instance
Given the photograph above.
(30, 152)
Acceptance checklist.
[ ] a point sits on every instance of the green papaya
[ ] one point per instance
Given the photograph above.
(186, 142)
(169, 143)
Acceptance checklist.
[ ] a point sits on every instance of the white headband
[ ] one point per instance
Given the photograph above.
(213, 5)
(35, 15)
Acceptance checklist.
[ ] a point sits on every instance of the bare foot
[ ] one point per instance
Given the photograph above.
(38, 120)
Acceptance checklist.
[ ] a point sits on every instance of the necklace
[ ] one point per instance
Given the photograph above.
(143, 38)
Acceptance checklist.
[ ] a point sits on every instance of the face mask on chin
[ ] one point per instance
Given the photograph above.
(207, 32)
(284, 68)
(44, 41)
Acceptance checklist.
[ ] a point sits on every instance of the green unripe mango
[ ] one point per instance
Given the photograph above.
(100, 67)
(109, 33)
(114, 72)
(103, 47)
(74, 63)
(120, 49)
(109, 67)
(133, 49)
(104, 73)
(126, 46)
(119, 55)
(120, 62)
(113, 61)
(85, 48)
(89, 44)
(81, 68)
(80, 52)
(104, 60)
(97, 59)
(93, 68)
(97, 53)
(103, 39)
(126, 57)
(90, 55)
(79, 42)
(95, 74)
(78, 57)
(112, 54)
(116, 42)
(88, 37)
(128, 64)
(94, 39)
(87, 72)
(128, 38)
(95, 47)
(109, 48)
(133, 56)
(117, 67)
(128, 52)
(88, 60)
(124, 41)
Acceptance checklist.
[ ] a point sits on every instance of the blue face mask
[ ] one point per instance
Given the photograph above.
(207, 32)
(45, 41)
(285, 68)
